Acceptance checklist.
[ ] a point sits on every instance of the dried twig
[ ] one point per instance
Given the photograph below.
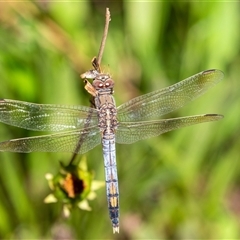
(100, 53)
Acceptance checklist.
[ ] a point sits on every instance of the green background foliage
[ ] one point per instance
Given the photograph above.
(181, 185)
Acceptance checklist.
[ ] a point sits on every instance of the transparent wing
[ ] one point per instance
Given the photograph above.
(163, 101)
(46, 117)
(130, 132)
(78, 141)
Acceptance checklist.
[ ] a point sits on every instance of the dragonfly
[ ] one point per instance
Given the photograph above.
(79, 129)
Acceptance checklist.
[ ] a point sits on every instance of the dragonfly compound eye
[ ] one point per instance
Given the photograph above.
(109, 83)
(97, 84)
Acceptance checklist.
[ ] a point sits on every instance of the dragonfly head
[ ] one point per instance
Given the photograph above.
(103, 82)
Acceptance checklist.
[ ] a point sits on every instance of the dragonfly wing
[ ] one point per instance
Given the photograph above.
(130, 132)
(163, 101)
(77, 141)
(46, 117)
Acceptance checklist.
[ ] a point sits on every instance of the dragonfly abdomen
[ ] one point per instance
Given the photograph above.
(111, 178)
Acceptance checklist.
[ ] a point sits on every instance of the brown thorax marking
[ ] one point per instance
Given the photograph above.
(102, 89)
(107, 118)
